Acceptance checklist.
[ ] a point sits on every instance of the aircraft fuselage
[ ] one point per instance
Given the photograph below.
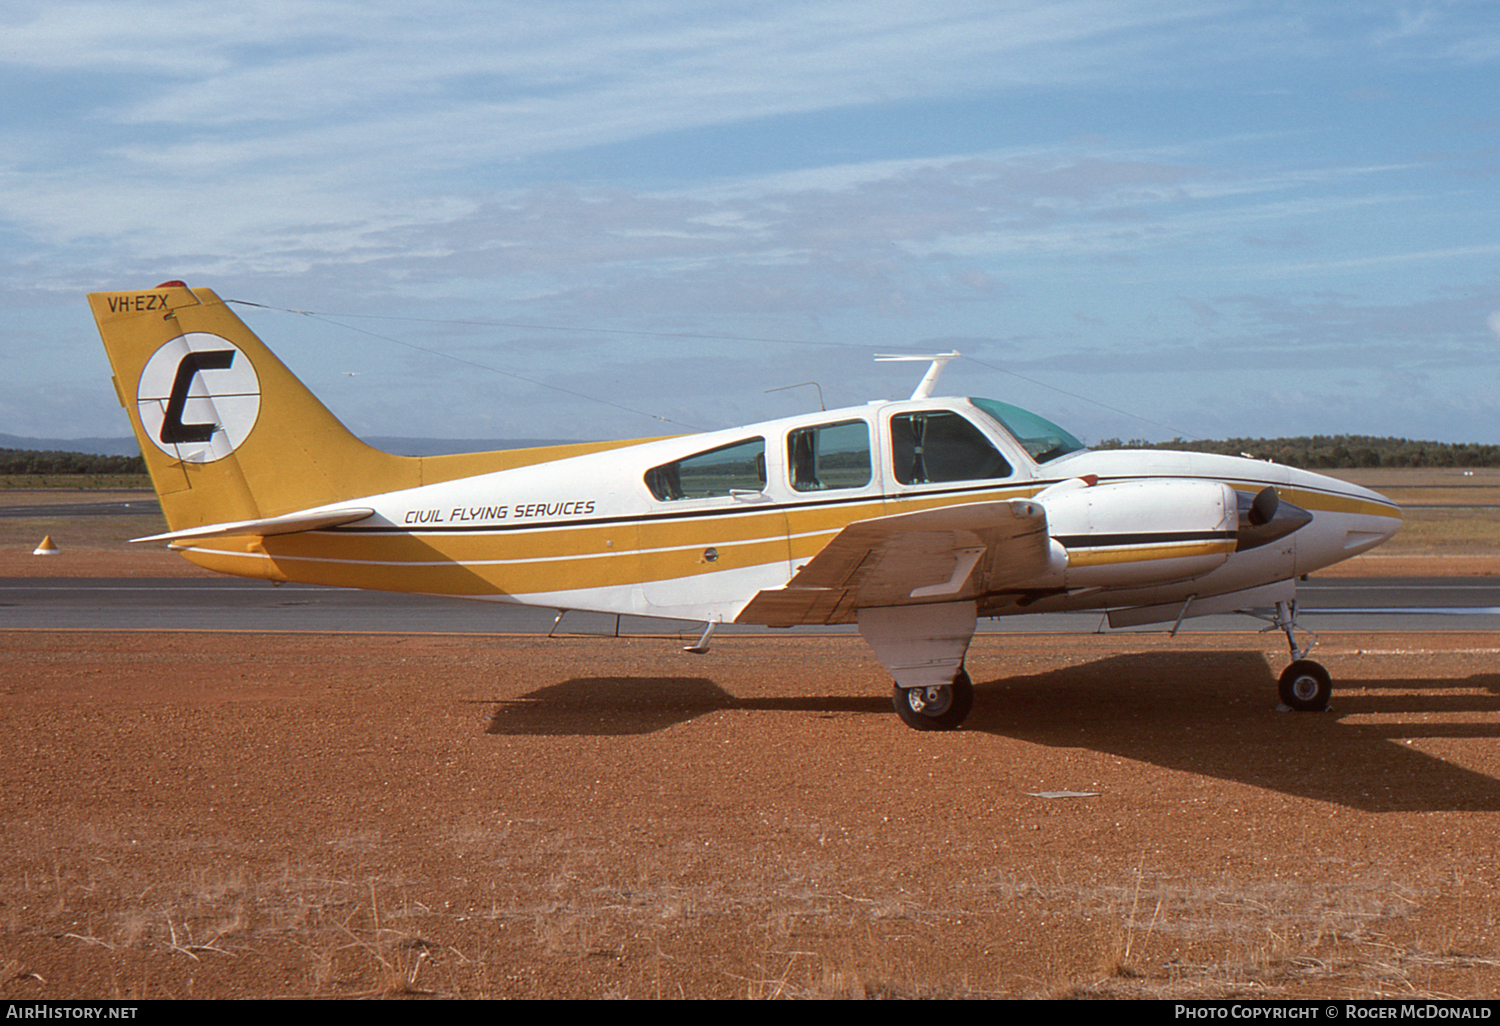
(693, 527)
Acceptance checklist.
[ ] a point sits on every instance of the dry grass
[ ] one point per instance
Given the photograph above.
(1446, 532)
(327, 937)
(1170, 941)
(309, 931)
(91, 483)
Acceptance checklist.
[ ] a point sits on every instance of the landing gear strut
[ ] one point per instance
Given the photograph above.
(937, 707)
(1305, 685)
(923, 648)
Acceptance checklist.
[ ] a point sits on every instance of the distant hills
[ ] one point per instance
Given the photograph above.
(92, 446)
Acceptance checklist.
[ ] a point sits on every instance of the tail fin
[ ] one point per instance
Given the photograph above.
(230, 434)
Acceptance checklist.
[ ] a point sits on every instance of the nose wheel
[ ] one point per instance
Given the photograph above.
(939, 707)
(1305, 686)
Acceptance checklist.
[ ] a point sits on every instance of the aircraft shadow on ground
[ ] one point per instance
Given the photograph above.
(1215, 714)
(642, 705)
(1212, 714)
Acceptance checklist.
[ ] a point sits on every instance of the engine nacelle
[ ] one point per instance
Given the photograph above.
(1132, 533)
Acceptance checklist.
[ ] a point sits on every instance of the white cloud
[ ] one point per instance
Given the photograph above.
(356, 155)
(306, 113)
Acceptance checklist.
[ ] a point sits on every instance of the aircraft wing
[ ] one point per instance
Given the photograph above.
(936, 555)
(291, 523)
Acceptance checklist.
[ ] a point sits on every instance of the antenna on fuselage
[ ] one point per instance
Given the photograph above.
(804, 384)
(929, 380)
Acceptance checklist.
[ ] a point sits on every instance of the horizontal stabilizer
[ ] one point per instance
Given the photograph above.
(291, 523)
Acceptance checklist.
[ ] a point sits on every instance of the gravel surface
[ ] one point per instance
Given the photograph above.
(191, 815)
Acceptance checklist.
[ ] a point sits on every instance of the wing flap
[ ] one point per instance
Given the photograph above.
(945, 554)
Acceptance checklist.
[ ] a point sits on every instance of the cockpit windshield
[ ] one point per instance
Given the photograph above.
(1040, 437)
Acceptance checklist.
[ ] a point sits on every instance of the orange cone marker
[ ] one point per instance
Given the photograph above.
(46, 548)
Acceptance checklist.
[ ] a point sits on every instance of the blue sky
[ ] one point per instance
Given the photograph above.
(1141, 218)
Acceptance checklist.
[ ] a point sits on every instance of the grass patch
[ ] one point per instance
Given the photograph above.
(74, 482)
(1446, 532)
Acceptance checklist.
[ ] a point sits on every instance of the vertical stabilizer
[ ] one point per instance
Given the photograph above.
(228, 432)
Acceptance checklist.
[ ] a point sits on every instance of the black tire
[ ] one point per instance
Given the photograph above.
(1305, 686)
(939, 708)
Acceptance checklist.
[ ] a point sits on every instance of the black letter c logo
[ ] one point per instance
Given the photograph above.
(173, 430)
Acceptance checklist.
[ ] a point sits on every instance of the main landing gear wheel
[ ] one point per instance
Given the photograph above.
(1305, 686)
(935, 708)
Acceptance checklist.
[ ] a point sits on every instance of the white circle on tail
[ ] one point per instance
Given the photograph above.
(198, 397)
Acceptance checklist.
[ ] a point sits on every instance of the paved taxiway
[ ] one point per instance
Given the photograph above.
(124, 508)
(1408, 604)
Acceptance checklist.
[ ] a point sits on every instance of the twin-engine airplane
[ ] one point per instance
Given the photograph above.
(910, 519)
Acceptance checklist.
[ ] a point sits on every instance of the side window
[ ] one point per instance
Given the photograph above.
(829, 456)
(740, 466)
(940, 445)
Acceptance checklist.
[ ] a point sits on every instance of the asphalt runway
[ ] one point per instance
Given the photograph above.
(129, 508)
(1398, 604)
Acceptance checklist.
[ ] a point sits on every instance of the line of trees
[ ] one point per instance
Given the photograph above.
(1332, 452)
(29, 461)
(1318, 452)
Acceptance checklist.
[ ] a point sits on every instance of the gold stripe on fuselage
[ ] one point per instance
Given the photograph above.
(551, 557)
(633, 550)
(1328, 502)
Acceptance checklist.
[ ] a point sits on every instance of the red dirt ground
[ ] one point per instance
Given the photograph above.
(237, 815)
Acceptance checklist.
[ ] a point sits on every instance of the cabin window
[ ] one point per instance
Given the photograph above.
(940, 445)
(1041, 438)
(829, 456)
(740, 466)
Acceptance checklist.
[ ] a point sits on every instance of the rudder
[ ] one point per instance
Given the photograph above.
(227, 431)
(229, 434)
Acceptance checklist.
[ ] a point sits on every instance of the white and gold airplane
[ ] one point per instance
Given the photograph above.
(910, 519)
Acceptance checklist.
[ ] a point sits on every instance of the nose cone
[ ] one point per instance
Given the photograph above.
(1347, 520)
